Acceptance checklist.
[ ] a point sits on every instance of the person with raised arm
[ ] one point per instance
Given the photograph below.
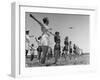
(45, 36)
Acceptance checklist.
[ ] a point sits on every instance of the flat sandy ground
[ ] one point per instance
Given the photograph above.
(78, 60)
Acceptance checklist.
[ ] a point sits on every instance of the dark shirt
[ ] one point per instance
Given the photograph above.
(66, 42)
(65, 48)
(57, 39)
(57, 47)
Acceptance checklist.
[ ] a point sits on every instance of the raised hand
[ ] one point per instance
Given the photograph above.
(32, 16)
(35, 19)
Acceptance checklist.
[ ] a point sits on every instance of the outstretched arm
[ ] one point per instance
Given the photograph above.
(51, 33)
(36, 19)
(41, 24)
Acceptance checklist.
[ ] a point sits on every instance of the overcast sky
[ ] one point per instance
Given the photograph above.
(79, 34)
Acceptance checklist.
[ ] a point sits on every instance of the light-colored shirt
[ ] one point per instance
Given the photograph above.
(44, 28)
(39, 42)
(27, 42)
(45, 40)
(45, 36)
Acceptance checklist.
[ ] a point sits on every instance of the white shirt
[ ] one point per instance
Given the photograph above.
(45, 40)
(39, 42)
(44, 28)
(27, 42)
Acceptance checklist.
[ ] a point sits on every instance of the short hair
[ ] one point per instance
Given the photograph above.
(27, 32)
(45, 20)
(57, 33)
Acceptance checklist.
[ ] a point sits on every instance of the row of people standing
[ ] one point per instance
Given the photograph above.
(44, 40)
(69, 49)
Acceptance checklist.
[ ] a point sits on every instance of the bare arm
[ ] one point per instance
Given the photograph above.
(41, 24)
(36, 20)
(51, 33)
(36, 40)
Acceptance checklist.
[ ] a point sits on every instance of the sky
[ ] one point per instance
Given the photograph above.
(79, 34)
